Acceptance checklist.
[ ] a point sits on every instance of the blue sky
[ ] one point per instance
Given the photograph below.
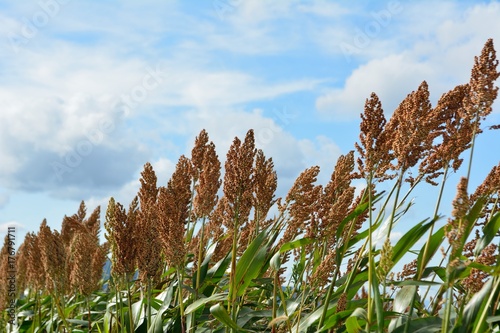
(92, 90)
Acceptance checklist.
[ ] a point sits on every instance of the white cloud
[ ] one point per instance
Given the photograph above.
(325, 8)
(4, 199)
(391, 78)
(441, 53)
(4, 227)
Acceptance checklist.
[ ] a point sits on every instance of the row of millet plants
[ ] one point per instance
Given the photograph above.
(212, 253)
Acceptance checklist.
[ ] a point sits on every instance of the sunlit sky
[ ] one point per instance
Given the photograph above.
(92, 90)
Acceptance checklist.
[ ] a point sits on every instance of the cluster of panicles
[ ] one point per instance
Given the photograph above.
(148, 256)
(386, 263)
(206, 179)
(53, 257)
(4, 268)
(408, 272)
(206, 176)
(85, 255)
(409, 129)
(122, 236)
(454, 129)
(238, 181)
(483, 91)
(35, 275)
(434, 136)
(214, 227)
(173, 212)
(488, 257)
(302, 202)
(375, 157)
(337, 198)
(490, 186)
(342, 303)
(323, 274)
(456, 226)
(490, 190)
(265, 184)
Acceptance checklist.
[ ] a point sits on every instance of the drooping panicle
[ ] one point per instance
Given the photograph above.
(409, 129)
(483, 91)
(337, 197)
(454, 129)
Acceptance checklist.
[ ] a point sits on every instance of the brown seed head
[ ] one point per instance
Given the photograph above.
(455, 130)
(373, 147)
(53, 255)
(173, 212)
(148, 243)
(209, 182)
(302, 202)
(265, 184)
(409, 128)
(238, 182)
(482, 82)
(122, 236)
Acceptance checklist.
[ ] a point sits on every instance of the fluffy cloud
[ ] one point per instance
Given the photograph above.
(440, 47)
(4, 199)
(391, 78)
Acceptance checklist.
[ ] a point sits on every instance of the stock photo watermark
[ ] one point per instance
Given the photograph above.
(363, 36)
(30, 26)
(95, 137)
(11, 276)
(225, 7)
(280, 119)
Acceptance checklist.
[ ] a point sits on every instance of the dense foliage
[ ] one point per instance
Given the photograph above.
(212, 253)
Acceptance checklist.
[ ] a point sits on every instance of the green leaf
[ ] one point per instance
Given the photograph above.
(490, 230)
(352, 325)
(78, 322)
(200, 302)
(219, 312)
(433, 245)
(409, 239)
(275, 262)
(471, 218)
(403, 298)
(157, 320)
(476, 310)
(250, 263)
(422, 325)
(296, 244)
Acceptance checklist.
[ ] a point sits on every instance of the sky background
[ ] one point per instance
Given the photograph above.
(92, 90)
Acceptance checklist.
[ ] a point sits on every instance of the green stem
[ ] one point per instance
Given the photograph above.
(420, 270)
(131, 314)
(473, 141)
(148, 300)
(370, 254)
(275, 297)
(181, 299)
(200, 258)
(399, 183)
(232, 309)
(447, 313)
(337, 268)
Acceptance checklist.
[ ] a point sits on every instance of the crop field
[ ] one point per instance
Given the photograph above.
(215, 250)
